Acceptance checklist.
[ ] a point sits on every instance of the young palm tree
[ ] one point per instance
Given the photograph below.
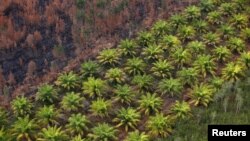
(181, 110)
(205, 65)
(236, 44)
(201, 26)
(153, 52)
(72, 101)
(21, 106)
(162, 68)
(196, 47)
(172, 42)
(159, 125)
(186, 33)
(23, 129)
(160, 28)
(192, 12)
(217, 83)
(47, 115)
(226, 31)
(177, 20)
(68, 81)
(103, 132)
(94, 87)
(211, 39)
(46, 93)
(52, 133)
(222, 54)
(79, 138)
(109, 57)
(128, 47)
(100, 107)
(77, 124)
(3, 117)
(128, 118)
(170, 86)
(240, 21)
(124, 94)
(150, 103)
(145, 39)
(115, 75)
(188, 76)
(214, 17)
(233, 71)
(207, 5)
(4, 135)
(137, 136)
(245, 58)
(135, 66)
(143, 82)
(90, 68)
(181, 57)
(201, 94)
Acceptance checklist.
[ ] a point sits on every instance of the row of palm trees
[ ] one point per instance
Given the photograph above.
(126, 90)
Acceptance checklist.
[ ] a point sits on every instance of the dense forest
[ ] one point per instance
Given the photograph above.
(140, 71)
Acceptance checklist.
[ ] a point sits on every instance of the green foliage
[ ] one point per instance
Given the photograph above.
(68, 81)
(188, 76)
(222, 54)
(150, 103)
(137, 136)
(72, 101)
(205, 65)
(103, 132)
(152, 52)
(52, 133)
(143, 82)
(47, 115)
(135, 66)
(115, 75)
(46, 93)
(77, 123)
(128, 47)
(181, 110)
(90, 68)
(162, 68)
(109, 57)
(100, 107)
(21, 106)
(94, 87)
(172, 87)
(124, 94)
(236, 44)
(80, 3)
(233, 71)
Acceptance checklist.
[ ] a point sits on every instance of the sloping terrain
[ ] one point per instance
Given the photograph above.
(145, 86)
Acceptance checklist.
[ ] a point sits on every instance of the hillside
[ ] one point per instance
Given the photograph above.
(131, 74)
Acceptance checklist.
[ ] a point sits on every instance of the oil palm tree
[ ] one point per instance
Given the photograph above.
(52, 133)
(48, 115)
(181, 110)
(150, 103)
(160, 28)
(145, 39)
(79, 138)
(227, 8)
(90, 68)
(188, 76)
(222, 54)
(186, 32)
(196, 47)
(227, 31)
(172, 87)
(177, 20)
(153, 52)
(214, 17)
(128, 118)
(21, 106)
(135, 66)
(103, 132)
(94, 87)
(245, 34)
(100, 107)
(68, 81)
(109, 57)
(46, 93)
(211, 39)
(207, 5)
(217, 82)
(23, 129)
(181, 57)
(162, 68)
(143, 82)
(240, 21)
(137, 136)
(172, 42)
(3, 117)
(4, 135)
(201, 94)
(201, 26)
(245, 58)
(159, 125)
(128, 47)
(77, 124)
(236, 44)
(115, 75)
(192, 12)
(205, 64)
(72, 101)
(233, 71)
(124, 94)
